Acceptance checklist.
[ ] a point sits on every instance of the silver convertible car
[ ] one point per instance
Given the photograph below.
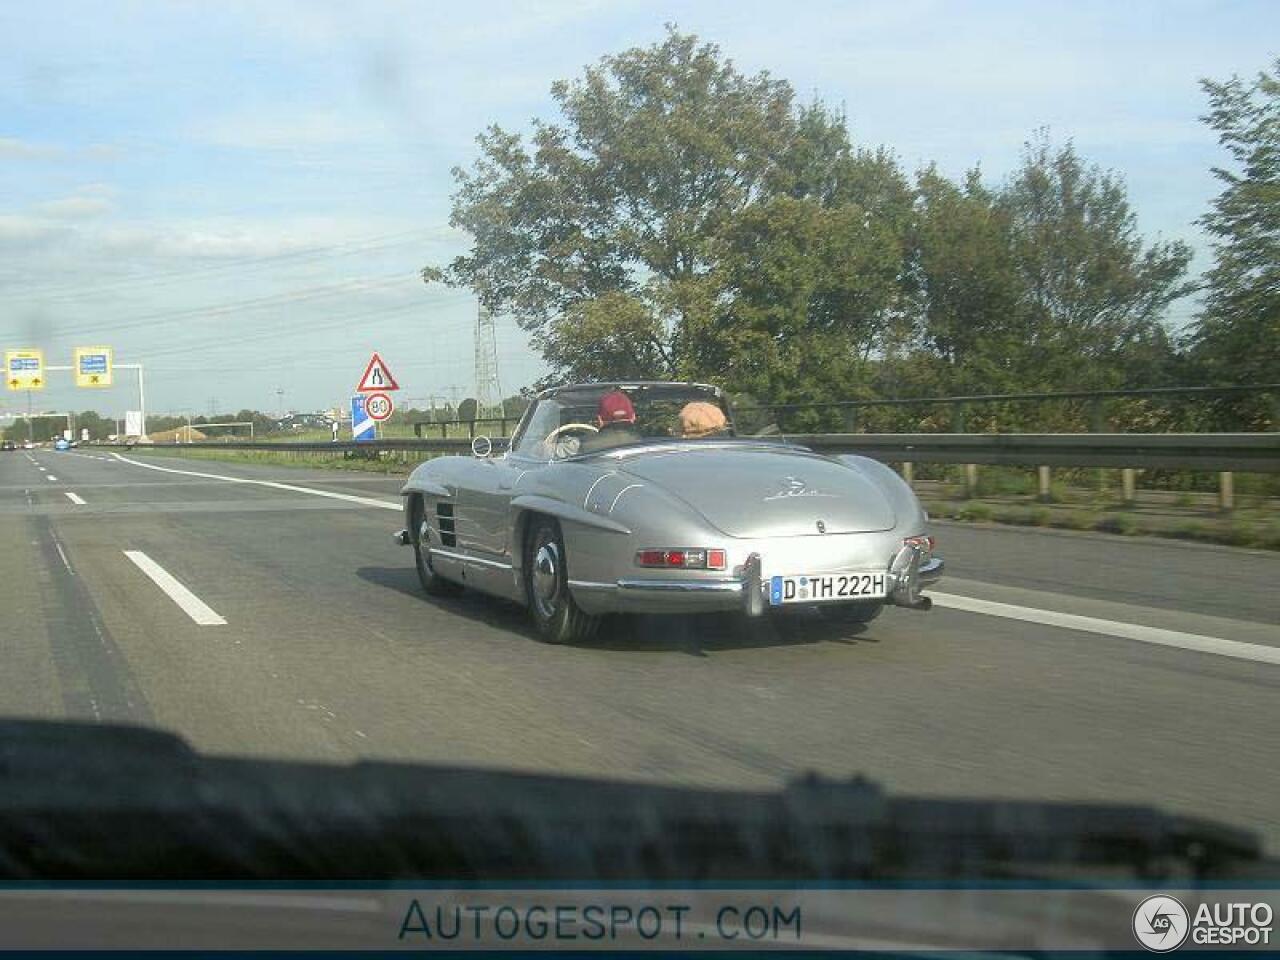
(641, 498)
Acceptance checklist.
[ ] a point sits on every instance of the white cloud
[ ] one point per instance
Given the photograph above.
(104, 151)
(16, 149)
(260, 131)
(17, 230)
(75, 208)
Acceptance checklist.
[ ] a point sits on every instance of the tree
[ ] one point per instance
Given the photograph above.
(16, 432)
(683, 219)
(1092, 295)
(1236, 338)
(968, 288)
(620, 240)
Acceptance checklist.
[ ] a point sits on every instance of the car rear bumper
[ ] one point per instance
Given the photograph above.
(747, 592)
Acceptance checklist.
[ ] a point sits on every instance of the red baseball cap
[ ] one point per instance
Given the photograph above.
(615, 407)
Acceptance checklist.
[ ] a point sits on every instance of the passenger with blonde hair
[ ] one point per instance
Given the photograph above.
(701, 419)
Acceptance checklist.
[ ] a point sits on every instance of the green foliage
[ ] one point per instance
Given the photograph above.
(975, 513)
(1091, 295)
(1237, 337)
(683, 219)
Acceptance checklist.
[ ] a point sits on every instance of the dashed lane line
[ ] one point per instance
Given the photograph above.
(191, 605)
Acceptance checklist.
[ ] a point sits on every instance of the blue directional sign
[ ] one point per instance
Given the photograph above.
(93, 367)
(363, 427)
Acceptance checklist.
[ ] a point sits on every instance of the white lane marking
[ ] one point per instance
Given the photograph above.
(75, 498)
(51, 478)
(1159, 636)
(65, 562)
(191, 605)
(291, 488)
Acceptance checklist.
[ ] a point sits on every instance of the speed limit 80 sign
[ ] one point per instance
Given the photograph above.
(379, 406)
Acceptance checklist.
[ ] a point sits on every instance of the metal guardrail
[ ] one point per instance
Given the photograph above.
(960, 405)
(426, 445)
(1242, 452)
(1056, 395)
(420, 425)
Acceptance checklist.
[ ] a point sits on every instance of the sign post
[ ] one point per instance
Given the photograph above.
(24, 369)
(372, 403)
(377, 378)
(363, 427)
(379, 406)
(93, 367)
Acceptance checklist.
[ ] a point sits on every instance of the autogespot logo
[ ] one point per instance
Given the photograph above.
(1161, 923)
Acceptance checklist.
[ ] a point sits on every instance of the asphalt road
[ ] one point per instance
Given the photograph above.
(1169, 694)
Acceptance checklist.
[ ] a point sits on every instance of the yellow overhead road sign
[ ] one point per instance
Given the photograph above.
(93, 366)
(24, 369)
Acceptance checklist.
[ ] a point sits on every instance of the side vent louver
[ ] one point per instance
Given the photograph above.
(444, 520)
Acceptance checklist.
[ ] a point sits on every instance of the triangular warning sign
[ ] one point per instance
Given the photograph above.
(377, 377)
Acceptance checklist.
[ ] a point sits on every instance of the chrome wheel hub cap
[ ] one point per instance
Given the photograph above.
(546, 579)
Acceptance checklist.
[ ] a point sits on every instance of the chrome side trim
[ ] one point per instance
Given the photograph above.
(682, 586)
(465, 558)
(586, 501)
(630, 486)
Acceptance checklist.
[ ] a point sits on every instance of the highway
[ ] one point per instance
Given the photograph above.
(265, 611)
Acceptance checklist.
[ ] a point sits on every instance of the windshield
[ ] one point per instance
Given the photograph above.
(569, 423)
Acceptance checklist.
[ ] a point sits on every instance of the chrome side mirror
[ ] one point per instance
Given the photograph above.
(481, 447)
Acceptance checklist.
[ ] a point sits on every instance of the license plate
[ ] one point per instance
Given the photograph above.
(824, 587)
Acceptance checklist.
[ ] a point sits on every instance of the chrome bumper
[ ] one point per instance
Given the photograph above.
(909, 573)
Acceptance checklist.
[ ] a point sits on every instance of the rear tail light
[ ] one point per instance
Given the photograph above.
(683, 558)
(925, 543)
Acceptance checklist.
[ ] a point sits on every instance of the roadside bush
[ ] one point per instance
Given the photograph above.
(1121, 523)
(975, 513)
(1040, 517)
(1079, 520)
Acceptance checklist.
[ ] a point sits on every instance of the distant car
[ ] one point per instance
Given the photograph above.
(28, 445)
(61, 444)
(8, 445)
(662, 523)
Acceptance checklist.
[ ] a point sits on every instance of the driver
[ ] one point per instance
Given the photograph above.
(616, 418)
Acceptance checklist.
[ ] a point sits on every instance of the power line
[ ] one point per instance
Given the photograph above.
(309, 325)
(355, 285)
(76, 292)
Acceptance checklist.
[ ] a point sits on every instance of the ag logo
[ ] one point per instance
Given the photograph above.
(1161, 923)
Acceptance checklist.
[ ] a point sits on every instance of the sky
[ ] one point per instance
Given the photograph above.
(239, 196)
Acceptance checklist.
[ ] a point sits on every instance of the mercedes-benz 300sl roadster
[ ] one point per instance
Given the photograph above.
(642, 498)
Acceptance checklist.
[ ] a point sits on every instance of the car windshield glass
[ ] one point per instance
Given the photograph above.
(569, 423)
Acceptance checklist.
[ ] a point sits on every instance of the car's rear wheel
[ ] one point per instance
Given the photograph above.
(556, 615)
(859, 611)
(432, 583)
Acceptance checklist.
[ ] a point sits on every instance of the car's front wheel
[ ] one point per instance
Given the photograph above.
(859, 611)
(432, 583)
(546, 578)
